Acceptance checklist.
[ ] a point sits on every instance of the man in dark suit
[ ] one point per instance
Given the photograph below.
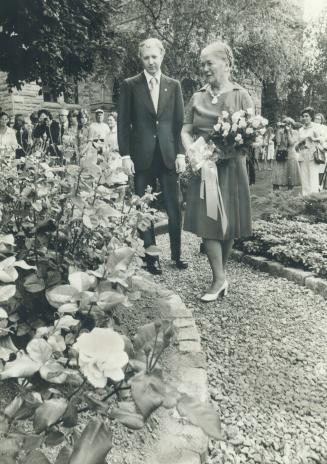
(150, 119)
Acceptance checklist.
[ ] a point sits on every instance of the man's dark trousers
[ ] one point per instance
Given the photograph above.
(169, 187)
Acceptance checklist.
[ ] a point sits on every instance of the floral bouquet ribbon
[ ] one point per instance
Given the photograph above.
(202, 156)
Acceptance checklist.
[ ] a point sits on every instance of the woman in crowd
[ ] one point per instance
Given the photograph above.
(82, 132)
(8, 142)
(23, 136)
(112, 140)
(219, 94)
(111, 144)
(309, 137)
(279, 170)
(48, 130)
(11, 122)
(292, 162)
(269, 147)
(320, 121)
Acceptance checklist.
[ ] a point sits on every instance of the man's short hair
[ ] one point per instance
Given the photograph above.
(151, 43)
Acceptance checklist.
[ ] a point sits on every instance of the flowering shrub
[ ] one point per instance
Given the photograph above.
(291, 242)
(70, 254)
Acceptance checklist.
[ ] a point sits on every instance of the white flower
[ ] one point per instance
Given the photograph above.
(234, 127)
(262, 131)
(225, 133)
(256, 121)
(250, 111)
(217, 127)
(236, 116)
(242, 113)
(249, 130)
(101, 356)
(225, 115)
(238, 138)
(242, 123)
(264, 122)
(226, 126)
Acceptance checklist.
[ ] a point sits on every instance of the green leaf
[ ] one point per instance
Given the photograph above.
(32, 441)
(61, 294)
(120, 259)
(37, 457)
(145, 335)
(34, 284)
(93, 445)
(10, 446)
(14, 406)
(39, 350)
(81, 281)
(8, 460)
(125, 416)
(68, 308)
(54, 438)
(4, 424)
(48, 413)
(70, 418)
(7, 292)
(66, 322)
(109, 299)
(22, 366)
(53, 372)
(64, 455)
(147, 393)
(200, 414)
(6, 347)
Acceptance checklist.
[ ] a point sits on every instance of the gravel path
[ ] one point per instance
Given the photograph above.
(266, 346)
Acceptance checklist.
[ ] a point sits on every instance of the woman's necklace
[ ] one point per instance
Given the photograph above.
(213, 95)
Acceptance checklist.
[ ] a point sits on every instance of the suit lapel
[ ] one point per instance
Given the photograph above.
(145, 93)
(164, 94)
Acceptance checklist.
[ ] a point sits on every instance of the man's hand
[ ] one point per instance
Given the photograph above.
(128, 166)
(180, 164)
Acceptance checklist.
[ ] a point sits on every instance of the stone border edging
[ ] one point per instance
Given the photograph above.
(181, 442)
(304, 278)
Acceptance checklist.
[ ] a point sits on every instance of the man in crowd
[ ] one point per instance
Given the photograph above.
(150, 120)
(98, 130)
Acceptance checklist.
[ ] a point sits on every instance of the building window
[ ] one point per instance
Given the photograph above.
(49, 95)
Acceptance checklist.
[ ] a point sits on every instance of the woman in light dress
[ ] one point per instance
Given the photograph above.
(111, 143)
(309, 137)
(270, 147)
(8, 141)
(320, 121)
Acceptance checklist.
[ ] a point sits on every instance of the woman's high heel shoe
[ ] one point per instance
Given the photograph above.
(223, 291)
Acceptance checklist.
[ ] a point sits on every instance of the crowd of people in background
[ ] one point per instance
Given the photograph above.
(288, 150)
(294, 152)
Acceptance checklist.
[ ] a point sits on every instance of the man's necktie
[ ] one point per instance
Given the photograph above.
(154, 91)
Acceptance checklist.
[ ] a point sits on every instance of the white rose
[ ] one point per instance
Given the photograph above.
(264, 122)
(236, 116)
(249, 130)
(234, 127)
(262, 131)
(217, 127)
(225, 133)
(101, 356)
(242, 113)
(250, 111)
(225, 115)
(226, 126)
(238, 138)
(256, 122)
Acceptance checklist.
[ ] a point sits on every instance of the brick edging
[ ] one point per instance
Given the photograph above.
(179, 441)
(304, 278)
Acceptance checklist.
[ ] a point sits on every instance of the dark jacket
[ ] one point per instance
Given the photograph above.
(140, 127)
(52, 132)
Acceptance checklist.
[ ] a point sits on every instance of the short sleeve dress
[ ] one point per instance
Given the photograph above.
(202, 113)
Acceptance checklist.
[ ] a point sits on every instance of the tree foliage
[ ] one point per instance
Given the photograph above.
(50, 41)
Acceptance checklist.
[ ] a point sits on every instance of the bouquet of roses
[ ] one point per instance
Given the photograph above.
(200, 152)
(238, 130)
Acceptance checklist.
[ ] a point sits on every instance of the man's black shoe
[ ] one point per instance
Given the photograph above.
(154, 267)
(180, 264)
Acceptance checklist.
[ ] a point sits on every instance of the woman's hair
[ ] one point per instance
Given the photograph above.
(72, 114)
(151, 43)
(3, 113)
(321, 116)
(113, 114)
(289, 121)
(81, 114)
(34, 117)
(222, 50)
(44, 111)
(310, 111)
